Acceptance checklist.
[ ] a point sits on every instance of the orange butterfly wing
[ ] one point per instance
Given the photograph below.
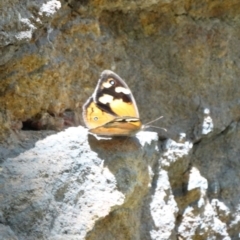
(112, 109)
(93, 116)
(119, 127)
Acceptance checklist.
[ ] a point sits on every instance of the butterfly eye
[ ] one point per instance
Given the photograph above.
(95, 118)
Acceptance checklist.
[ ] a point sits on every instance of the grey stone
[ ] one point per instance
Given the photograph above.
(181, 61)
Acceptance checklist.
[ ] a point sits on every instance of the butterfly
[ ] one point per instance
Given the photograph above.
(112, 110)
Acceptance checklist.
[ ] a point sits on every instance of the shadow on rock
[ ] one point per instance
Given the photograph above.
(21, 142)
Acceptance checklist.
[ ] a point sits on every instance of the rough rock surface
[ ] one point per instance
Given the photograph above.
(181, 60)
(74, 186)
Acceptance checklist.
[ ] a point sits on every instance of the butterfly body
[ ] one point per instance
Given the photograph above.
(112, 110)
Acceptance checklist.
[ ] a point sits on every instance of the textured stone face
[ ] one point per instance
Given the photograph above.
(63, 187)
(182, 55)
(180, 59)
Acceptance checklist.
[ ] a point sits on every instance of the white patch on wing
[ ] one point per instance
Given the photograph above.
(132, 119)
(107, 85)
(119, 120)
(105, 99)
(123, 90)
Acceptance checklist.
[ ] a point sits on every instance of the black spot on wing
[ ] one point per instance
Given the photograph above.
(106, 108)
(107, 74)
(118, 82)
(111, 91)
(100, 91)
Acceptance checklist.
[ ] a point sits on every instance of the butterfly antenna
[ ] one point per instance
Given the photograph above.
(153, 121)
(147, 126)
